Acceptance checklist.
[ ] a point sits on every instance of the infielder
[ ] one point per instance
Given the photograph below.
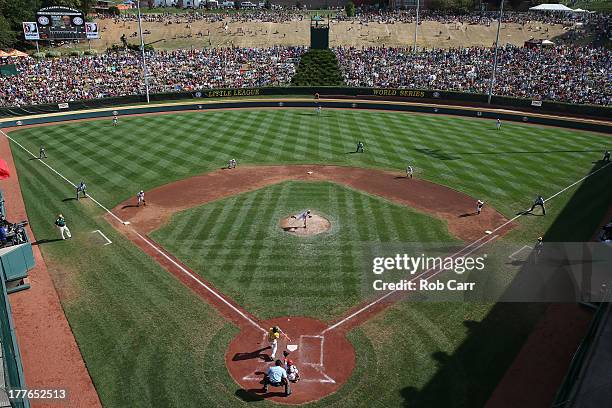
(498, 124)
(302, 217)
(41, 153)
(81, 188)
(141, 198)
(274, 334)
(409, 171)
(606, 157)
(61, 224)
(539, 202)
(231, 164)
(115, 120)
(479, 205)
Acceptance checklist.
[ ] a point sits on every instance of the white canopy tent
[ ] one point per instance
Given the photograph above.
(579, 10)
(551, 7)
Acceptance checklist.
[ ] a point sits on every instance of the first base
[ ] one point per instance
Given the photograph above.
(126, 223)
(309, 172)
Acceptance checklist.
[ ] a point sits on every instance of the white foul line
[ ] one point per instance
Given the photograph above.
(378, 300)
(511, 256)
(185, 271)
(108, 241)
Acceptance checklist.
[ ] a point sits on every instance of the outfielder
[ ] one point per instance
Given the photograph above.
(115, 120)
(141, 198)
(359, 147)
(409, 171)
(41, 153)
(606, 157)
(302, 217)
(498, 124)
(539, 202)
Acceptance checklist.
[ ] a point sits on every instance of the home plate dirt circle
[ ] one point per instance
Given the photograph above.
(325, 360)
(315, 224)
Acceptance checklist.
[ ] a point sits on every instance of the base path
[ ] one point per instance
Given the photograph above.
(49, 352)
(456, 208)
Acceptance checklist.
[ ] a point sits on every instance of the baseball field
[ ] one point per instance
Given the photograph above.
(169, 309)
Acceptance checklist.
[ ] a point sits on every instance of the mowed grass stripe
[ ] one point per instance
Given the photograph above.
(266, 269)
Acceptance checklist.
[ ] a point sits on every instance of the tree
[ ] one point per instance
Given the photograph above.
(7, 35)
(150, 3)
(268, 4)
(349, 9)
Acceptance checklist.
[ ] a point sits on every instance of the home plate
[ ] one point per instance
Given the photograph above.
(309, 172)
(292, 347)
(488, 232)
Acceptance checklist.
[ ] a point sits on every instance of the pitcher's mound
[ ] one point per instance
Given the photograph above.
(315, 224)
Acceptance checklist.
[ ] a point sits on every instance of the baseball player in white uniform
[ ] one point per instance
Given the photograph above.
(141, 198)
(115, 120)
(409, 171)
(498, 124)
(479, 205)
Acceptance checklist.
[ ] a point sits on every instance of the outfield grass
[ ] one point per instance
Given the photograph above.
(139, 329)
(236, 244)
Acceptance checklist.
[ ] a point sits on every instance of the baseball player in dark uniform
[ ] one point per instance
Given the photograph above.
(539, 202)
(41, 152)
(81, 189)
(606, 157)
(359, 147)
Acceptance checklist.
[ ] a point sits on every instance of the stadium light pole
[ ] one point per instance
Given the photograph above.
(142, 49)
(416, 27)
(499, 20)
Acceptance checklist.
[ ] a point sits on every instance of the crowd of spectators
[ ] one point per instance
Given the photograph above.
(564, 73)
(377, 16)
(119, 73)
(268, 16)
(480, 18)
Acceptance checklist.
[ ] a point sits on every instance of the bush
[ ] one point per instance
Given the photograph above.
(318, 68)
(91, 52)
(75, 53)
(54, 54)
(349, 9)
(39, 55)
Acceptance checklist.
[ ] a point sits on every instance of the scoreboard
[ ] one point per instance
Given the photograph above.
(60, 23)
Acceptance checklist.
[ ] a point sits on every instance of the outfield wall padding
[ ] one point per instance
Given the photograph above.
(566, 122)
(398, 94)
